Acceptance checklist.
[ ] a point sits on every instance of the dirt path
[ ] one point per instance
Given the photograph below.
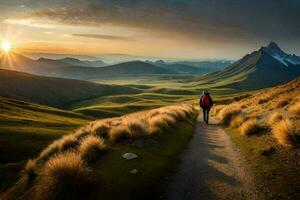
(212, 168)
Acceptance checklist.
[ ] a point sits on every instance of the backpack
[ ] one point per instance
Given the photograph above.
(206, 101)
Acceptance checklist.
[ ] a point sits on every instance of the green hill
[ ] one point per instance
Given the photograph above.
(54, 91)
(25, 129)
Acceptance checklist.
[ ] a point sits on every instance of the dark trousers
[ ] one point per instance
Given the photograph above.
(206, 114)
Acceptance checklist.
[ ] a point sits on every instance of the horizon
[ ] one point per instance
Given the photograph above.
(184, 30)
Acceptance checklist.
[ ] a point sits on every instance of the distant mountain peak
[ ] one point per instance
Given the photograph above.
(273, 45)
(275, 51)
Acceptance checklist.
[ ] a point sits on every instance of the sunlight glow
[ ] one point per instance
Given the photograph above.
(6, 47)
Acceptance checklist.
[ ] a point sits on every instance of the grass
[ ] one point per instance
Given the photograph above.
(158, 159)
(88, 145)
(276, 167)
(227, 114)
(250, 127)
(238, 121)
(64, 176)
(29, 169)
(281, 103)
(295, 109)
(26, 128)
(274, 118)
(92, 147)
(285, 133)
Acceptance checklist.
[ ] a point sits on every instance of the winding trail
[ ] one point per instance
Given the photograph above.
(212, 168)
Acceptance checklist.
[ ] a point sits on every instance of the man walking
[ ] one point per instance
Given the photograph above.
(206, 103)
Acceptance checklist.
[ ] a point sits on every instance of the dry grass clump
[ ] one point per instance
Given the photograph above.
(119, 133)
(229, 112)
(142, 124)
(92, 147)
(250, 127)
(237, 121)
(281, 103)
(64, 176)
(102, 128)
(263, 100)
(295, 108)
(136, 127)
(217, 109)
(29, 168)
(161, 123)
(67, 142)
(274, 118)
(285, 133)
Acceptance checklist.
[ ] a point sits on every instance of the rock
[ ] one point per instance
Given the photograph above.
(129, 156)
(134, 171)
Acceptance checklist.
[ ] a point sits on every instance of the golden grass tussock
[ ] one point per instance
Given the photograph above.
(237, 121)
(119, 133)
(274, 118)
(217, 109)
(263, 100)
(161, 123)
(295, 109)
(281, 103)
(229, 112)
(29, 168)
(65, 143)
(285, 133)
(250, 127)
(92, 147)
(136, 127)
(64, 176)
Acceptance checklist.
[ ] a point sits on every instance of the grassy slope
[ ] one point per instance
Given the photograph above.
(25, 129)
(278, 173)
(158, 90)
(276, 167)
(158, 159)
(54, 91)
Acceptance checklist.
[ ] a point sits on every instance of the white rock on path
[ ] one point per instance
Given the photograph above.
(129, 156)
(134, 171)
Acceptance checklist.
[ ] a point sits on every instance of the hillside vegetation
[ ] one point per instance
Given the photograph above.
(69, 167)
(54, 91)
(25, 129)
(265, 125)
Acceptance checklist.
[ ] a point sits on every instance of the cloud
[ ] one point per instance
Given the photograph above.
(213, 20)
(104, 37)
(28, 22)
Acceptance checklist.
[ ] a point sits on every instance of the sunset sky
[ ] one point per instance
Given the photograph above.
(161, 28)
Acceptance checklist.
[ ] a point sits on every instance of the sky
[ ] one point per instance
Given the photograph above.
(191, 29)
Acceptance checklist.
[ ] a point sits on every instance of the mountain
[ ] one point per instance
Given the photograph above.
(257, 70)
(54, 56)
(287, 59)
(181, 67)
(215, 64)
(54, 91)
(83, 63)
(72, 68)
(123, 69)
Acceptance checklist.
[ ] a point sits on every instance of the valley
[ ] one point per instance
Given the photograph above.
(49, 105)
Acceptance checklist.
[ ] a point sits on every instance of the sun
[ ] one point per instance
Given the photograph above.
(6, 46)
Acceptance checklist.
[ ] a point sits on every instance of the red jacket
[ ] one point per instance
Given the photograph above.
(206, 101)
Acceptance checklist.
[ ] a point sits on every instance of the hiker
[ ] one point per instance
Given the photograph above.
(206, 103)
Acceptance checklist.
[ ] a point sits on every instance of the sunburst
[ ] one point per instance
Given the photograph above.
(6, 46)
